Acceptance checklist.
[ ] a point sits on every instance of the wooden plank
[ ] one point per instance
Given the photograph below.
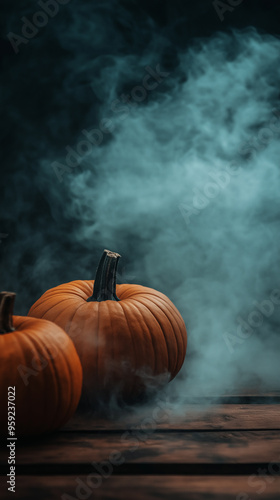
(191, 417)
(71, 449)
(253, 395)
(246, 397)
(236, 399)
(148, 488)
(253, 391)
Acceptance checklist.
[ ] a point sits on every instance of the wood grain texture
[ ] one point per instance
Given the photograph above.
(178, 447)
(200, 452)
(190, 417)
(148, 488)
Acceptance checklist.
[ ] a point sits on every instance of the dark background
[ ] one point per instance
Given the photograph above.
(126, 194)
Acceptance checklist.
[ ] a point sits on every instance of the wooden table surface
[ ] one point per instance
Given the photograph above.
(229, 449)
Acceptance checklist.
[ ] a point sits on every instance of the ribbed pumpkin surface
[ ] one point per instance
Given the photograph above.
(123, 345)
(40, 360)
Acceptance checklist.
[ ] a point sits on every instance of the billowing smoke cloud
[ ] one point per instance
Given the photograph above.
(183, 181)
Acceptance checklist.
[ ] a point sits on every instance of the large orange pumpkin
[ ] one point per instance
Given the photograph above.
(129, 337)
(40, 373)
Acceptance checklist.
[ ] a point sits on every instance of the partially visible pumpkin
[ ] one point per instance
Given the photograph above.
(39, 365)
(128, 336)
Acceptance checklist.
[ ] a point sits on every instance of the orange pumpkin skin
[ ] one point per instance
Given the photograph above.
(41, 362)
(123, 345)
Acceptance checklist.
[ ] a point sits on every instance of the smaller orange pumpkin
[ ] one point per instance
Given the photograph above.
(40, 373)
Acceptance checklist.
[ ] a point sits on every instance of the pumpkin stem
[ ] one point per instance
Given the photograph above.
(105, 280)
(7, 300)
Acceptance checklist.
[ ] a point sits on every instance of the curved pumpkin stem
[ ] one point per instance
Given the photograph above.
(105, 280)
(7, 300)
